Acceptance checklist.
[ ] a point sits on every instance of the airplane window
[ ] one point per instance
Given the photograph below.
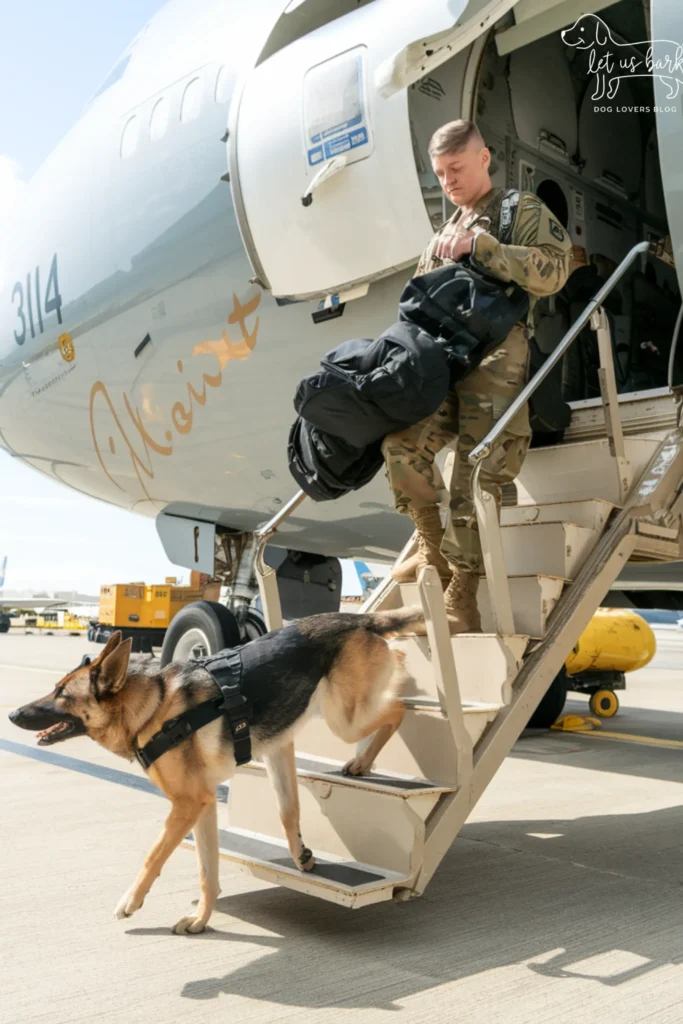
(192, 100)
(129, 139)
(224, 84)
(158, 122)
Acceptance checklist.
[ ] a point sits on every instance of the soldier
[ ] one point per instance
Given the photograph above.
(537, 256)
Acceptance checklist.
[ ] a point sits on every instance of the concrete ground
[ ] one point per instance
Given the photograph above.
(561, 900)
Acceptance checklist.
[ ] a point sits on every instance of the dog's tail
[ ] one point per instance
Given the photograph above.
(398, 622)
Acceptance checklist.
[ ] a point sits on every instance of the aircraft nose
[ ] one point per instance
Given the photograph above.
(15, 715)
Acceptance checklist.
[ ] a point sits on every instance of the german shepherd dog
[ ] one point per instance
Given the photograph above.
(337, 665)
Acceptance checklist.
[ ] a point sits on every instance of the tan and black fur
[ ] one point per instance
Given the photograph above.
(337, 665)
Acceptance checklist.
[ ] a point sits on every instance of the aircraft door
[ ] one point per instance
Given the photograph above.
(667, 44)
(322, 167)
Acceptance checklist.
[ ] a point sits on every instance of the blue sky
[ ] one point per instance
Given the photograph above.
(53, 57)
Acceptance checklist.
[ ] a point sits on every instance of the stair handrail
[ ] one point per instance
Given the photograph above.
(483, 449)
(487, 513)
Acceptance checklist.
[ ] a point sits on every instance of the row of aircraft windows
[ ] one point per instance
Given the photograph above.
(190, 106)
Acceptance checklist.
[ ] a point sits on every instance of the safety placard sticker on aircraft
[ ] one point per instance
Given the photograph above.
(335, 114)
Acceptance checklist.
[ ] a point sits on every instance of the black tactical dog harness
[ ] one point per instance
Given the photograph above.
(226, 671)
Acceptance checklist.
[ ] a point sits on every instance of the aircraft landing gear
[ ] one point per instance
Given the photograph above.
(198, 630)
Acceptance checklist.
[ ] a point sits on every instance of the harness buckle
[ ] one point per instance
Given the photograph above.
(177, 728)
(143, 760)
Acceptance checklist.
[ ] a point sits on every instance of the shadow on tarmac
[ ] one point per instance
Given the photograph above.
(600, 901)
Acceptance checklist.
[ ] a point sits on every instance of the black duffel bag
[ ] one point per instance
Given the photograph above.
(367, 389)
(325, 467)
(471, 312)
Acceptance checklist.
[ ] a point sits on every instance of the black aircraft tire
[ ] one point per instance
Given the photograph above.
(254, 625)
(199, 629)
(550, 708)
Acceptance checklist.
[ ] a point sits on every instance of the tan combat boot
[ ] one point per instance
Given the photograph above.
(430, 534)
(461, 602)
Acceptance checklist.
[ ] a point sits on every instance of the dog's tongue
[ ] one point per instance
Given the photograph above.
(46, 736)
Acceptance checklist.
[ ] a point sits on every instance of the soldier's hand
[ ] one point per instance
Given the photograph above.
(453, 248)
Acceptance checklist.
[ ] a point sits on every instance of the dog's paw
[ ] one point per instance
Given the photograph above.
(354, 767)
(306, 861)
(127, 905)
(189, 925)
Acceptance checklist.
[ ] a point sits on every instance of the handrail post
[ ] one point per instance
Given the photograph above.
(266, 575)
(430, 590)
(610, 400)
(494, 558)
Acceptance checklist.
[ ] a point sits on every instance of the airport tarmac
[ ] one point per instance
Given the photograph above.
(562, 899)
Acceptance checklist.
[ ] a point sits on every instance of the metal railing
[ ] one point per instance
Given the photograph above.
(484, 501)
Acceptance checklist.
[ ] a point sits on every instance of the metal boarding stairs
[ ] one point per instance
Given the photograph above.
(549, 562)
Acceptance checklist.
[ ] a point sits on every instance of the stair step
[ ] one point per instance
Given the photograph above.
(533, 599)
(546, 549)
(373, 819)
(500, 656)
(587, 513)
(580, 470)
(347, 882)
(656, 543)
(327, 770)
(422, 748)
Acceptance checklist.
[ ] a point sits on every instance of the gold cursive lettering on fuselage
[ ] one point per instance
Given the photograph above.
(130, 434)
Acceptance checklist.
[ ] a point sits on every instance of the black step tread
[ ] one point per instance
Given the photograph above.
(346, 874)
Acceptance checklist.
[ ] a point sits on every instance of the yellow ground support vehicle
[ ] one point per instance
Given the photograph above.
(59, 620)
(141, 611)
(615, 641)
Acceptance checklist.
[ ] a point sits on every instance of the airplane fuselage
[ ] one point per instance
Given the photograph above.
(138, 363)
(141, 361)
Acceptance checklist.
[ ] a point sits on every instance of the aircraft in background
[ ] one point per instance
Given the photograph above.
(368, 580)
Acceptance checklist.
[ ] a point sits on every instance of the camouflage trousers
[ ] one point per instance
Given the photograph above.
(468, 413)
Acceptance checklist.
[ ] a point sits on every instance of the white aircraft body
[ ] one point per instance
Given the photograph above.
(246, 166)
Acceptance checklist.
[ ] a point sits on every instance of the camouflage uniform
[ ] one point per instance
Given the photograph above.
(537, 258)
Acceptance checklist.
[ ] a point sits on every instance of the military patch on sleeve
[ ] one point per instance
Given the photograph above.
(556, 230)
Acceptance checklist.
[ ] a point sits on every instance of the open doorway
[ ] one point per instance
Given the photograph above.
(595, 163)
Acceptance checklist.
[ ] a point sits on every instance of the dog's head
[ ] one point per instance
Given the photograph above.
(81, 703)
(587, 31)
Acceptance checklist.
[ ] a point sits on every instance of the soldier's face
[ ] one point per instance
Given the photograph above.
(464, 176)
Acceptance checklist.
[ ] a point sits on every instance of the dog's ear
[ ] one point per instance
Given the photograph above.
(601, 32)
(109, 675)
(111, 644)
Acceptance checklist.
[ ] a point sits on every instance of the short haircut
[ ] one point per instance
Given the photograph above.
(453, 137)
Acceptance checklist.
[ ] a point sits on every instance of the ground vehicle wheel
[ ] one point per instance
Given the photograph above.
(550, 708)
(604, 703)
(4, 623)
(198, 630)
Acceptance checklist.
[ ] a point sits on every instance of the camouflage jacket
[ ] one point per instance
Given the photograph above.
(536, 253)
